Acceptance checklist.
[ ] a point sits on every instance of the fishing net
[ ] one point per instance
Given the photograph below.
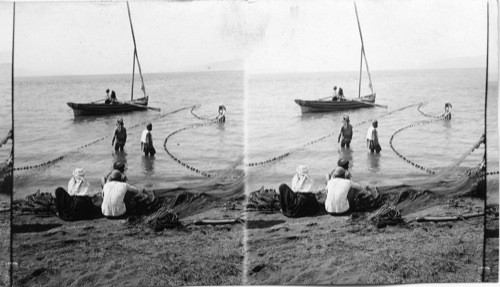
(6, 176)
(264, 200)
(40, 203)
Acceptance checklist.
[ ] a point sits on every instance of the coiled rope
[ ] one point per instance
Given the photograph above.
(59, 158)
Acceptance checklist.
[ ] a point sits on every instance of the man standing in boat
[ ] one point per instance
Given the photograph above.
(335, 96)
(119, 136)
(372, 138)
(345, 133)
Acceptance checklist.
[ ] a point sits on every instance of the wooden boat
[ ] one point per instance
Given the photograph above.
(322, 105)
(317, 106)
(96, 108)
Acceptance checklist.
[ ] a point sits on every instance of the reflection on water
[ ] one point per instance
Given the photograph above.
(148, 165)
(221, 126)
(373, 162)
(119, 156)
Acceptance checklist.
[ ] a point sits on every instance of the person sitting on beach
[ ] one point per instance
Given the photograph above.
(147, 141)
(343, 163)
(372, 138)
(300, 200)
(119, 166)
(341, 193)
(118, 196)
(120, 135)
(447, 111)
(335, 96)
(78, 202)
(341, 94)
(222, 114)
(345, 133)
(107, 100)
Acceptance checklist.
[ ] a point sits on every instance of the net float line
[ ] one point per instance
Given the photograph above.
(201, 118)
(59, 158)
(281, 156)
(416, 165)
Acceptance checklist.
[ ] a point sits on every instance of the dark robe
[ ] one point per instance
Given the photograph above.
(297, 204)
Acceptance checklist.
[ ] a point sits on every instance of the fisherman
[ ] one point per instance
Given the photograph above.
(147, 141)
(78, 202)
(118, 197)
(119, 166)
(447, 111)
(341, 193)
(335, 96)
(222, 114)
(113, 97)
(107, 100)
(372, 138)
(300, 200)
(343, 163)
(345, 133)
(119, 136)
(341, 94)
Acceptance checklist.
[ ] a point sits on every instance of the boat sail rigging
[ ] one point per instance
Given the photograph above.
(99, 108)
(312, 106)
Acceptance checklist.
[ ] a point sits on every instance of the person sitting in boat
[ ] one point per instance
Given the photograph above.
(147, 141)
(447, 111)
(372, 138)
(119, 166)
(335, 96)
(78, 202)
(343, 163)
(345, 133)
(112, 98)
(119, 136)
(118, 197)
(222, 114)
(300, 200)
(107, 100)
(341, 94)
(341, 193)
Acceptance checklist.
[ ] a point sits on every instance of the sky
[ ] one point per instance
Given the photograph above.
(81, 38)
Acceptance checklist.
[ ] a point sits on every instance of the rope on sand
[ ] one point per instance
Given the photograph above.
(59, 158)
(281, 156)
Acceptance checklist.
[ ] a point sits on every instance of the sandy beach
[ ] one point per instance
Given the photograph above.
(102, 252)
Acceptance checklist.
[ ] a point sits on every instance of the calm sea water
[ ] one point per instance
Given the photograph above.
(262, 122)
(46, 128)
(5, 108)
(276, 125)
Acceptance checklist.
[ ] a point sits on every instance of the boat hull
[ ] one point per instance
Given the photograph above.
(92, 109)
(331, 106)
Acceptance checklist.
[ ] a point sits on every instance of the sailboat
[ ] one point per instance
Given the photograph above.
(101, 108)
(321, 105)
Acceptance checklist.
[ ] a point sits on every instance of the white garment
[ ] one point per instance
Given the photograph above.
(80, 187)
(336, 197)
(113, 195)
(143, 136)
(302, 183)
(369, 134)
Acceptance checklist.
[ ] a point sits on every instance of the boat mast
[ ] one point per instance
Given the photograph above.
(136, 57)
(363, 49)
(360, 72)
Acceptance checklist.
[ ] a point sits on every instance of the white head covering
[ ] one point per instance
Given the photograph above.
(77, 185)
(301, 182)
